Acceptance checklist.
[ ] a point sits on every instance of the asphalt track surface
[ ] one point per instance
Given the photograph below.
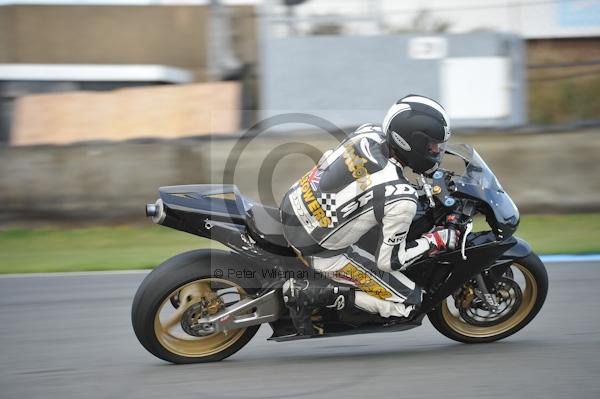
(70, 337)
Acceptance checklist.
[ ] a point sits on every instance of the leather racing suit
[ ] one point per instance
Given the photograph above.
(352, 189)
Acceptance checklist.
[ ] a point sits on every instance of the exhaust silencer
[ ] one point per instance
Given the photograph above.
(156, 211)
(151, 210)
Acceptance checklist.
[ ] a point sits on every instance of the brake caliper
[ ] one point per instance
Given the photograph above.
(466, 297)
(208, 305)
(212, 303)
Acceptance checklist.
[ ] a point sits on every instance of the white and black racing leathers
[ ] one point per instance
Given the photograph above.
(352, 189)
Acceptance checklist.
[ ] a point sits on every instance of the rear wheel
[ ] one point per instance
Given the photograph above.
(520, 294)
(171, 300)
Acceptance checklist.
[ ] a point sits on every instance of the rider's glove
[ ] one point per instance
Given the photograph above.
(440, 240)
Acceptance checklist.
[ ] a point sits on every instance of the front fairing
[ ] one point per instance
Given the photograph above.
(479, 182)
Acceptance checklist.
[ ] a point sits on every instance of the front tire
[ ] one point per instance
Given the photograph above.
(449, 322)
(171, 291)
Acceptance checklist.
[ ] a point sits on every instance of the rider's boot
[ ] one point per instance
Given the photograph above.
(303, 296)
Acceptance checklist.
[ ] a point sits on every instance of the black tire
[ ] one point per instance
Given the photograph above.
(168, 277)
(448, 327)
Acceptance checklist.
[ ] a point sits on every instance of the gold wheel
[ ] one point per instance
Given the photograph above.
(210, 295)
(529, 293)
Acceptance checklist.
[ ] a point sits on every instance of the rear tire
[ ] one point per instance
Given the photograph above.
(191, 269)
(534, 295)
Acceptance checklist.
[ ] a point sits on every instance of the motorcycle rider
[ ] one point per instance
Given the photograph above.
(355, 187)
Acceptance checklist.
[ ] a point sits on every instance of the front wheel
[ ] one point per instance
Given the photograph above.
(174, 296)
(520, 294)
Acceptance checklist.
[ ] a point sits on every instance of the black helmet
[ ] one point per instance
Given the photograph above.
(417, 129)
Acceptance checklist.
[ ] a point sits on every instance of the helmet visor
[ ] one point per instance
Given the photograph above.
(435, 150)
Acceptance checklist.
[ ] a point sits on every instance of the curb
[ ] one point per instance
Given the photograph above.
(570, 258)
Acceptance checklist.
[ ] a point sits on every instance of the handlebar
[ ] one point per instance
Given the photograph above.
(460, 219)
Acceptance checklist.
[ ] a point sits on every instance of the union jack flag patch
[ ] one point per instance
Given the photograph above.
(314, 177)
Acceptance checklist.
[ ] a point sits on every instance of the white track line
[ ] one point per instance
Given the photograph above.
(545, 259)
(76, 274)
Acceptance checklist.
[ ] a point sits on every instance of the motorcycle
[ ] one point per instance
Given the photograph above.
(205, 305)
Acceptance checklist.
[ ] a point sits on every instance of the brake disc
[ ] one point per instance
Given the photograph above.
(201, 309)
(509, 297)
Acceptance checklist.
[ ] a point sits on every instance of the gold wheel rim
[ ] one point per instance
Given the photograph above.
(529, 295)
(168, 329)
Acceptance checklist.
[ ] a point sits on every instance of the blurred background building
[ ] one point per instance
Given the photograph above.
(86, 81)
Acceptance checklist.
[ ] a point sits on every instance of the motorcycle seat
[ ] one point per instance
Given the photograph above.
(264, 224)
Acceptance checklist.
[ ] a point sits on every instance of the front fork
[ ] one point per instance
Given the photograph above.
(484, 294)
(490, 276)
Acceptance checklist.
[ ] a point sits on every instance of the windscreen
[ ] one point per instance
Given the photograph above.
(476, 170)
(478, 181)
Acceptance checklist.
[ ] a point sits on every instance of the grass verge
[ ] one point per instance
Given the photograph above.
(136, 247)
